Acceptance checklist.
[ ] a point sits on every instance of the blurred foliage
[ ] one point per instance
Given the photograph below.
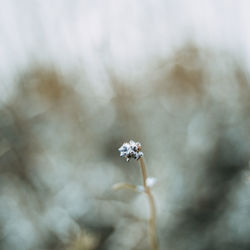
(59, 158)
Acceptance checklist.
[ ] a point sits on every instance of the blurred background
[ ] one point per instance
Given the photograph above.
(78, 78)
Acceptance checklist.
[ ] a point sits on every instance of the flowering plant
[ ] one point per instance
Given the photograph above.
(130, 150)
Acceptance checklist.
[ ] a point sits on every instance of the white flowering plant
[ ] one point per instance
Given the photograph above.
(132, 150)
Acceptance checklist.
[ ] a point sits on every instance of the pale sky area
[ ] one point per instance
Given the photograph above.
(125, 35)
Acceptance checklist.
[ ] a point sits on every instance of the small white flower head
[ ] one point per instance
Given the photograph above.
(130, 150)
(150, 181)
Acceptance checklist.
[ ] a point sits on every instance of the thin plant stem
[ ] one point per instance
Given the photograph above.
(123, 185)
(152, 218)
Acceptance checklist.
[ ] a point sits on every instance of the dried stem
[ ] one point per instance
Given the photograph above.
(123, 185)
(152, 218)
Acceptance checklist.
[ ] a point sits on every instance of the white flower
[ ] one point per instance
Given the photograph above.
(130, 150)
(150, 181)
